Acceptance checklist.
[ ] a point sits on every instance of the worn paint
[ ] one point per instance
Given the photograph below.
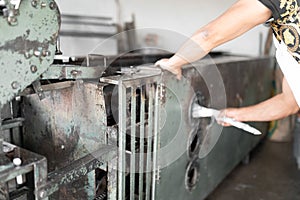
(71, 122)
(30, 42)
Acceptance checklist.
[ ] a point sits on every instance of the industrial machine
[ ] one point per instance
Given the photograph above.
(114, 127)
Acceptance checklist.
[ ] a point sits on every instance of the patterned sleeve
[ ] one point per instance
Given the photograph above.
(279, 8)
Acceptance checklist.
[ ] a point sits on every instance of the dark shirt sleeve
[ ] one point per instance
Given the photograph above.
(274, 6)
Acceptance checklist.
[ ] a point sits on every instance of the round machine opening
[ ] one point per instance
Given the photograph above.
(194, 143)
(198, 99)
(192, 175)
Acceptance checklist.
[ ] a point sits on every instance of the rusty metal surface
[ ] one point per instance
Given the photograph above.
(70, 127)
(70, 121)
(68, 124)
(246, 81)
(27, 46)
(136, 112)
(195, 170)
(73, 72)
(80, 168)
(31, 162)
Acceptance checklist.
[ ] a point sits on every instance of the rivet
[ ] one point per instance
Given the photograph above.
(43, 4)
(27, 55)
(74, 72)
(52, 5)
(33, 68)
(15, 85)
(12, 21)
(46, 53)
(37, 53)
(34, 3)
(42, 194)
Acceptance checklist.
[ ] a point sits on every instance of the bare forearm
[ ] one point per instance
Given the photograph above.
(192, 50)
(269, 110)
(277, 107)
(224, 28)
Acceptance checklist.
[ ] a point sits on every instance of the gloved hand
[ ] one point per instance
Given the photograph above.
(167, 64)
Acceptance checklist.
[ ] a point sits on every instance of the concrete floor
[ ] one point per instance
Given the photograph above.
(272, 174)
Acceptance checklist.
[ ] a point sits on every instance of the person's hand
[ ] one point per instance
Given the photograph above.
(228, 112)
(166, 64)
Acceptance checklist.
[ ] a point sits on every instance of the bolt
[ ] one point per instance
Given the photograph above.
(43, 4)
(42, 194)
(18, 98)
(37, 53)
(52, 5)
(131, 70)
(15, 85)
(74, 72)
(17, 162)
(12, 21)
(27, 55)
(46, 53)
(5, 12)
(34, 3)
(33, 68)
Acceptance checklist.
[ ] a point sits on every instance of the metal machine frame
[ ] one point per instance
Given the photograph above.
(107, 127)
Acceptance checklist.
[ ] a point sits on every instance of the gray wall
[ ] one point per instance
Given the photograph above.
(181, 18)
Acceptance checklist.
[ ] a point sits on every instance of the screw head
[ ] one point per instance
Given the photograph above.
(74, 72)
(42, 194)
(12, 21)
(34, 3)
(43, 4)
(33, 68)
(37, 53)
(15, 85)
(46, 53)
(52, 5)
(27, 55)
(17, 161)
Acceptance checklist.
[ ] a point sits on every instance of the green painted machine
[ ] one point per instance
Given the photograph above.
(29, 31)
(114, 127)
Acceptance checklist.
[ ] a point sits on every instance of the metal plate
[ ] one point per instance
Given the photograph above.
(182, 176)
(27, 47)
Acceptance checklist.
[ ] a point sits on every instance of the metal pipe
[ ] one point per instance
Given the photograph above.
(122, 141)
(149, 140)
(132, 143)
(142, 136)
(86, 17)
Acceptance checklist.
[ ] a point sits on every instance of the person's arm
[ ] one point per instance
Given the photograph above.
(277, 107)
(241, 17)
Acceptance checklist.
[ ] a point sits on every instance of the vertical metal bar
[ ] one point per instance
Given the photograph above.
(155, 139)
(1, 132)
(122, 141)
(112, 173)
(89, 189)
(112, 180)
(142, 135)
(149, 141)
(40, 173)
(132, 143)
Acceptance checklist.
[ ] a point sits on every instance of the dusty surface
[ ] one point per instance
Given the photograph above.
(271, 175)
